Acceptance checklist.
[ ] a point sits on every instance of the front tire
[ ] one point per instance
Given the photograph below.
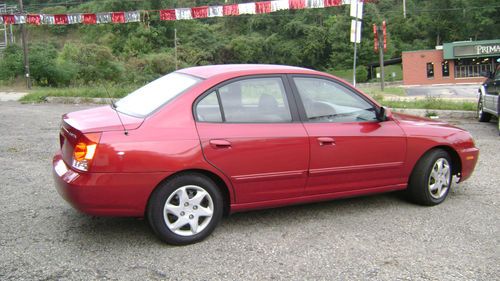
(185, 209)
(482, 116)
(430, 180)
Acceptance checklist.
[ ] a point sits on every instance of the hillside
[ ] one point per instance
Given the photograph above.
(317, 38)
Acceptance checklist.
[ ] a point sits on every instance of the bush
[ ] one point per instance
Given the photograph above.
(92, 62)
(361, 74)
(149, 67)
(46, 70)
(11, 63)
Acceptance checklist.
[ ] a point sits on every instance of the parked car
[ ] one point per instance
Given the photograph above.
(212, 140)
(488, 104)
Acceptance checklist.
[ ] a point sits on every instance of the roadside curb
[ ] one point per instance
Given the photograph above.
(436, 114)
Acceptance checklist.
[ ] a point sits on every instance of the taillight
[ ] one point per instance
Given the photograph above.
(84, 151)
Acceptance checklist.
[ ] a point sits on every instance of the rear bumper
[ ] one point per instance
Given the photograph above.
(105, 194)
(468, 158)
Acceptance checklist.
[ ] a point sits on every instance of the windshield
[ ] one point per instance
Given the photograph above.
(148, 98)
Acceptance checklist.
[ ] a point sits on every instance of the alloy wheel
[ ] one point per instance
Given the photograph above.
(188, 210)
(439, 178)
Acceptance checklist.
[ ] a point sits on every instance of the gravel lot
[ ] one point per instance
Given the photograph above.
(369, 238)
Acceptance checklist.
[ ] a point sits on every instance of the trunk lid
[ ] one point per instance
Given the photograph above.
(76, 124)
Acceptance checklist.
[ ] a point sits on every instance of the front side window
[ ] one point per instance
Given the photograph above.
(148, 98)
(252, 100)
(327, 101)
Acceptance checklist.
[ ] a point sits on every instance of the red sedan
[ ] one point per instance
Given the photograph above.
(206, 141)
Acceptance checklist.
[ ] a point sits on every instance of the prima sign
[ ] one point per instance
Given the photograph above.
(492, 49)
(475, 50)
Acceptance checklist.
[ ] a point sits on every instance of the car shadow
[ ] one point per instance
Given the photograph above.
(83, 229)
(332, 208)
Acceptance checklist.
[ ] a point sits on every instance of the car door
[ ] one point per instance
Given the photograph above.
(492, 90)
(494, 97)
(350, 148)
(250, 130)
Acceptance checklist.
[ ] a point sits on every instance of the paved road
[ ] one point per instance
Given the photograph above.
(444, 91)
(370, 238)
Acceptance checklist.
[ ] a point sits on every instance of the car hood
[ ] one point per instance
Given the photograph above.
(411, 120)
(101, 119)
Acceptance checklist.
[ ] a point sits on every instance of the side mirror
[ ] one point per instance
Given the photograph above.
(381, 114)
(487, 74)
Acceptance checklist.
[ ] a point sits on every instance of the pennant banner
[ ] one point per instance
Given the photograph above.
(215, 11)
(75, 18)
(264, 7)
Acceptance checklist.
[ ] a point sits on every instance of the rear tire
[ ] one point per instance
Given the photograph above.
(482, 116)
(185, 209)
(430, 180)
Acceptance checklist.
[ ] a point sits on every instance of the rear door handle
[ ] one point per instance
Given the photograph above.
(220, 143)
(326, 141)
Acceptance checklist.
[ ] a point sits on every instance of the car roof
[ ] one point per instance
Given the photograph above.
(209, 71)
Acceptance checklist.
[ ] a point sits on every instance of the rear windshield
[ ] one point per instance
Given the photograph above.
(148, 98)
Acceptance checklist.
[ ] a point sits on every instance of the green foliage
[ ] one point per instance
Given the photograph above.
(39, 94)
(361, 74)
(140, 70)
(438, 104)
(11, 64)
(46, 70)
(376, 93)
(92, 62)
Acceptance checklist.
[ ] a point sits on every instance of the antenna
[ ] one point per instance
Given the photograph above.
(113, 105)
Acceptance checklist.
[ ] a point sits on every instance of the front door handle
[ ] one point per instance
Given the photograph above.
(326, 141)
(220, 143)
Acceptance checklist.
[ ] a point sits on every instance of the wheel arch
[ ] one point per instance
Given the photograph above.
(456, 167)
(221, 184)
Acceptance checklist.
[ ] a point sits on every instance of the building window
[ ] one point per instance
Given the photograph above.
(472, 67)
(445, 67)
(430, 70)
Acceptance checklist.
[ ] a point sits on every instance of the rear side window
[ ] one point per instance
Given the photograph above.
(253, 100)
(208, 109)
(150, 97)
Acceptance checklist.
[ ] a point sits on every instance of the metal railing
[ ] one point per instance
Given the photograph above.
(6, 32)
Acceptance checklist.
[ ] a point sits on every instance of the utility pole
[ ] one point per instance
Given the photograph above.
(381, 56)
(175, 49)
(25, 49)
(404, 9)
(358, 15)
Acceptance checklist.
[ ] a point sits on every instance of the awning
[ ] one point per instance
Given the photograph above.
(471, 49)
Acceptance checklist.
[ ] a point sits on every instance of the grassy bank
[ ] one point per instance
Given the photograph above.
(377, 93)
(431, 103)
(39, 94)
(416, 103)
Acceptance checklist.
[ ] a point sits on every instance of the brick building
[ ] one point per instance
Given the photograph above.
(452, 63)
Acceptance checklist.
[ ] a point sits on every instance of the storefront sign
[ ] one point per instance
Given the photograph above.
(476, 50)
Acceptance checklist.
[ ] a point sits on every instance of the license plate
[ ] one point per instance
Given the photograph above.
(61, 168)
